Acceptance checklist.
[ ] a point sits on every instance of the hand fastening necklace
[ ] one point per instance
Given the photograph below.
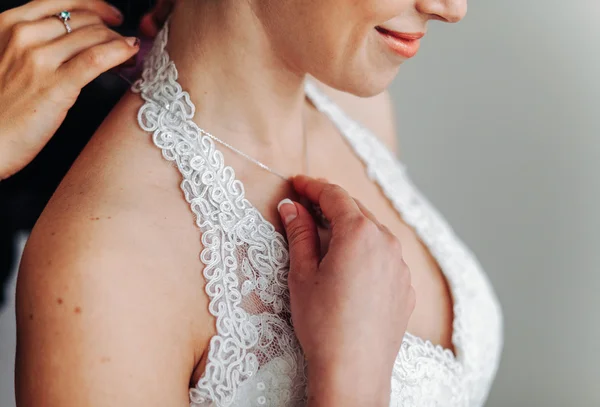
(316, 209)
(258, 163)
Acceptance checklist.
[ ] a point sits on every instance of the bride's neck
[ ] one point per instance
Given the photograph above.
(239, 85)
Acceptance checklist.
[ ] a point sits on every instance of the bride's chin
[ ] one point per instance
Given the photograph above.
(363, 78)
(364, 84)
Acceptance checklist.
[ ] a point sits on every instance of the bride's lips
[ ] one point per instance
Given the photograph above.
(403, 44)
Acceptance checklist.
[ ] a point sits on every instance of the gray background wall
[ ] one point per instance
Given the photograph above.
(499, 125)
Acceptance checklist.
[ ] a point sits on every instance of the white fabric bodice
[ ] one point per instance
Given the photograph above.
(254, 359)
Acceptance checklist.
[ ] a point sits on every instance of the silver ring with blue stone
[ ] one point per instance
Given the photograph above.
(65, 16)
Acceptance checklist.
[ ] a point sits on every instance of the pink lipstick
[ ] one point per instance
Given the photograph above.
(403, 44)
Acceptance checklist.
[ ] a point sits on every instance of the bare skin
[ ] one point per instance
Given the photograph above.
(377, 113)
(155, 265)
(121, 248)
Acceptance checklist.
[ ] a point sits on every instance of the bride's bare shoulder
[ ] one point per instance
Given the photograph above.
(119, 185)
(116, 250)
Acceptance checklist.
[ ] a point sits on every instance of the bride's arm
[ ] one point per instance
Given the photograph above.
(94, 329)
(110, 306)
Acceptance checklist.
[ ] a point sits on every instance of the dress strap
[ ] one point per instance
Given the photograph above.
(246, 260)
(375, 155)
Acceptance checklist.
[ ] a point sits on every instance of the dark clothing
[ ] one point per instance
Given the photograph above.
(24, 195)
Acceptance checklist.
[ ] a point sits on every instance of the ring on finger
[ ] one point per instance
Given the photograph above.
(65, 16)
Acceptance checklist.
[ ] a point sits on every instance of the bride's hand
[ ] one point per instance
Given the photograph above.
(43, 69)
(350, 310)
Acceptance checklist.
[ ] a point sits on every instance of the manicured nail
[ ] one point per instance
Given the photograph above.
(117, 12)
(288, 211)
(133, 41)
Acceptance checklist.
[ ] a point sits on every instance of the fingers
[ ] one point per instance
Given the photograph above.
(29, 34)
(39, 9)
(334, 201)
(162, 10)
(68, 46)
(367, 213)
(24, 28)
(303, 238)
(153, 21)
(90, 63)
(148, 27)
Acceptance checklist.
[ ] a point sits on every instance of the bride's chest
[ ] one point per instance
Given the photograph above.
(331, 158)
(424, 374)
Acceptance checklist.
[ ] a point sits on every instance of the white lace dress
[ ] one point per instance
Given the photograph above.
(254, 359)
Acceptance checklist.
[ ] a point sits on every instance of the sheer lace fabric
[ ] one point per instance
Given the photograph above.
(254, 359)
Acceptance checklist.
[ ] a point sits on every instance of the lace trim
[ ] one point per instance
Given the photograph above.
(382, 166)
(235, 236)
(477, 343)
(246, 264)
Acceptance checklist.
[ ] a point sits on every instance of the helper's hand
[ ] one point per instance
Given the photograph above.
(351, 309)
(43, 69)
(153, 21)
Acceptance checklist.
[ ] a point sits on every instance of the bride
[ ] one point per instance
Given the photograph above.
(224, 113)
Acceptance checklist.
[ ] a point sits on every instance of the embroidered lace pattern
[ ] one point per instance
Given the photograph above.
(255, 359)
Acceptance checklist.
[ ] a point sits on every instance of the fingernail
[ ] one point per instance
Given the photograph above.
(288, 211)
(133, 41)
(117, 12)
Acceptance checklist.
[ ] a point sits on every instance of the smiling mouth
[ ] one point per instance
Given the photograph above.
(403, 44)
(399, 35)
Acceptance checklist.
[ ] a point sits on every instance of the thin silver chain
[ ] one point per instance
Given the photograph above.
(246, 156)
(258, 163)
(318, 214)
